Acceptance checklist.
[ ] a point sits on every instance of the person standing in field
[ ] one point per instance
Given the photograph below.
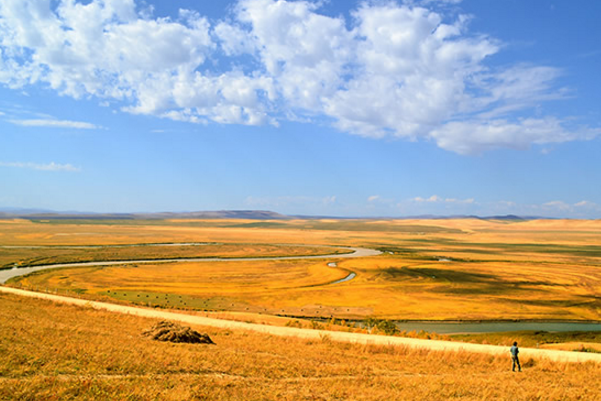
(514, 357)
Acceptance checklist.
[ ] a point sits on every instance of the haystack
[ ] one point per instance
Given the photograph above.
(173, 332)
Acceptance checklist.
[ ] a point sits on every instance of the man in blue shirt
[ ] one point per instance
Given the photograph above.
(514, 357)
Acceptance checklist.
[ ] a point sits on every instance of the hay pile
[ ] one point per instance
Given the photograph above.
(173, 332)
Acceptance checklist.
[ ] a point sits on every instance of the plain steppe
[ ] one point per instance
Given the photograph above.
(447, 269)
(465, 269)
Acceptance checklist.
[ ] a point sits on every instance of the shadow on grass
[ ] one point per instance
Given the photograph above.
(462, 282)
(591, 301)
(454, 276)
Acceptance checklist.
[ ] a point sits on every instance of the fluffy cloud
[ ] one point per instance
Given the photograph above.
(438, 199)
(401, 71)
(554, 208)
(476, 136)
(576, 208)
(586, 204)
(427, 2)
(556, 205)
(433, 198)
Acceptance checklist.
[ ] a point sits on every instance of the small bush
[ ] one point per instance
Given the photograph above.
(294, 323)
(385, 326)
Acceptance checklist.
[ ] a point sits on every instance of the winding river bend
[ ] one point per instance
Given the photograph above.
(5, 275)
(439, 327)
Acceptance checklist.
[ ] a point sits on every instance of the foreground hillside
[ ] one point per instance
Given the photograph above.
(50, 351)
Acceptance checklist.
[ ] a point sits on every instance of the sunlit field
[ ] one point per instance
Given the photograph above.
(59, 352)
(429, 269)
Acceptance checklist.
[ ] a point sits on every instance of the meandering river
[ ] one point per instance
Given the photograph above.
(5, 275)
(438, 327)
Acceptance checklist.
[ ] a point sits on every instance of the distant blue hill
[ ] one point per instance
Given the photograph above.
(40, 214)
(43, 214)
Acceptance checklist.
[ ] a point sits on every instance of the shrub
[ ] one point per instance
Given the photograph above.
(385, 326)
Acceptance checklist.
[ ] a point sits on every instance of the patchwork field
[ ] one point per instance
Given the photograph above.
(429, 269)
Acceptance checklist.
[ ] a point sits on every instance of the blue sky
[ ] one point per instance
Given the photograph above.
(333, 107)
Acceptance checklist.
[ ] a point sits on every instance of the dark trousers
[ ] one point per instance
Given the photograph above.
(515, 361)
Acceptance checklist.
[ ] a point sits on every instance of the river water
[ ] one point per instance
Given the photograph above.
(7, 274)
(495, 327)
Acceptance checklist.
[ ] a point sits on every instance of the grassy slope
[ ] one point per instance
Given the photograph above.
(50, 351)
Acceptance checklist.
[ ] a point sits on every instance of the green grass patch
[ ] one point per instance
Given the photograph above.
(499, 248)
(172, 301)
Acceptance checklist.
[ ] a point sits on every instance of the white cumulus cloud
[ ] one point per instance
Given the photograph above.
(390, 70)
(438, 199)
(557, 205)
(433, 198)
(586, 204)
(476, 136)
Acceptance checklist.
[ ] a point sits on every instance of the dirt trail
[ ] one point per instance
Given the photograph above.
(358, 338)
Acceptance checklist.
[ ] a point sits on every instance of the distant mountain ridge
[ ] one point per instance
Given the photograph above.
(42, 214)
(220, 214)
(39, 214)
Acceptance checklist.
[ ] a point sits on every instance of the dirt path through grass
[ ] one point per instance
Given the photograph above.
(321, 335)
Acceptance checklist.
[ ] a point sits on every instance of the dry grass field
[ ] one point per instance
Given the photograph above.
(430, 270)
(58, 352)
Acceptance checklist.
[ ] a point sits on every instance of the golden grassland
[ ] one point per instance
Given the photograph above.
(59, 352)
(466, 269)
